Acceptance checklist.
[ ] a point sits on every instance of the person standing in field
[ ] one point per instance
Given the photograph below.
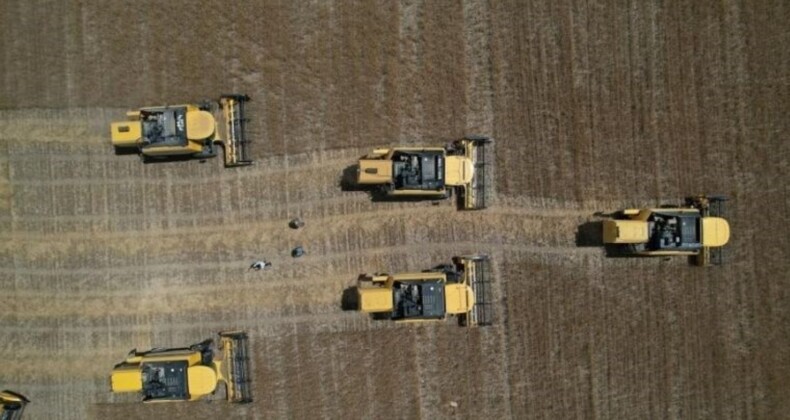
(260, 265)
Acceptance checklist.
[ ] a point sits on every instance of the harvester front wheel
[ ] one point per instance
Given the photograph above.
(205, 105)
(236, 96)
(453, 150)
(476, 257)
(476, 139)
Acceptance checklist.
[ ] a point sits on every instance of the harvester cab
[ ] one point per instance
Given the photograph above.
(189, 373)
(12, 405)
(695, 229)
(186, 131)
(429, 172)
(461, 289)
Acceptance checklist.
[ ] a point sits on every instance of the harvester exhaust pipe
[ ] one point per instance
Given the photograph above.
(235, 366)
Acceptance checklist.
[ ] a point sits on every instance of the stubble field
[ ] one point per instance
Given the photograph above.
(593, 106)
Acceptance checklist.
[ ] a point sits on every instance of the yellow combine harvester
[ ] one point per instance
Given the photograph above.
(185, 131)
(460, 289)
(12, 405)
(694, 229)
(429, 172)
(187, 374)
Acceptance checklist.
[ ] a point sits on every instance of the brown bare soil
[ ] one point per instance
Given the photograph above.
(593, 106)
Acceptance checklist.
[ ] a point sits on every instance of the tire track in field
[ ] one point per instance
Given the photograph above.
(311, 266)
(167, 299)
(81, 127)
(589, 102)
(478, 64)
(134, 201)
(410, 52)
(439, 248)
(283, 302)
(132, 197)
(329, 208)
(244, 202)
(6, 192)
(164, 258)
(104, 354)
(259, 170)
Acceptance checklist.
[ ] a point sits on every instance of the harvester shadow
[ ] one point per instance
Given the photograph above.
(616, 251)
(350, 299)
(125, 151)
(622, 251)
(348, 179)
(171, 159)
(121, 151)
(590, 234)
(381, 197)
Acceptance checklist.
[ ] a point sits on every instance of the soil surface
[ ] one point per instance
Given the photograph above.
(593, 106)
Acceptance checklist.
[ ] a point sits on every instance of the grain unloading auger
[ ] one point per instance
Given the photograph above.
(461, 289)
(189, 373)
(186, 131)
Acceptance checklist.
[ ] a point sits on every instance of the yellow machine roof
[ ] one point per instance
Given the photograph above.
(459, 298)
(127, 380)
(375, 299)
(715, 231)
(125, 133)
(625, 231)
(201, 380)
(375, 171)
